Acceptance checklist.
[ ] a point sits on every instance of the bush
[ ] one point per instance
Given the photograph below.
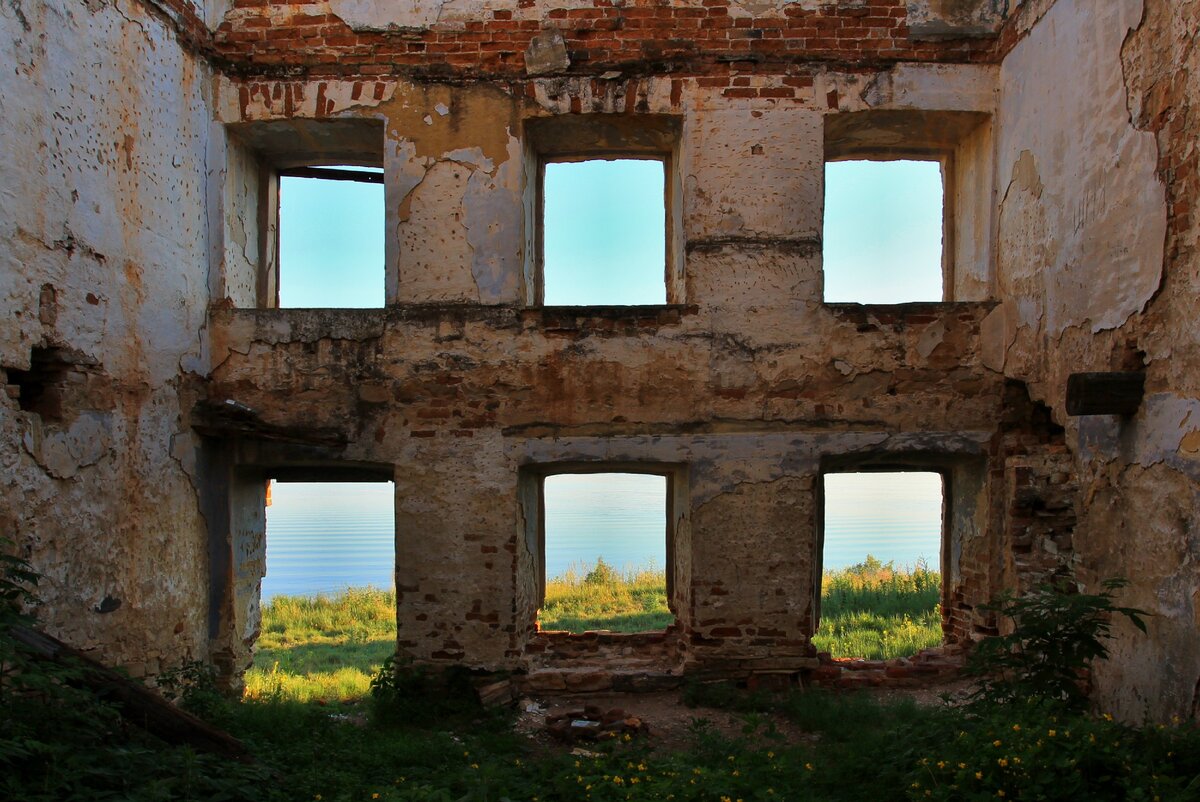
(61, 742)
(602, 574)
(1057, 634)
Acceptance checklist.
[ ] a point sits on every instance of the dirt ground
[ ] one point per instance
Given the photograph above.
(669, 722)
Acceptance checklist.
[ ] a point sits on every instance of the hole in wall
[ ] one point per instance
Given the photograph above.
(40, 389)
(606, 552)
(882, 536)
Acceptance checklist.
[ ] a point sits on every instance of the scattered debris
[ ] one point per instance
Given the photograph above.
(592, 723)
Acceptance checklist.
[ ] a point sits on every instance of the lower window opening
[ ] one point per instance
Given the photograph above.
(605, 553)
(881, 584)
(328, 597)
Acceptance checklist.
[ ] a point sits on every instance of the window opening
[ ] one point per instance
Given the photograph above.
(604, 235)
(605, 552)
(884, 232)
(329, 602)
(331, 237)
(882, 546)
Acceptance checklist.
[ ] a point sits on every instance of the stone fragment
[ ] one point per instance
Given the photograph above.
(547, 53)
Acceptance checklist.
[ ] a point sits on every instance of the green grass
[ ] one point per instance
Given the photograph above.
(323, 648)
(327, 648)
(429, 741)
(870, 610)
(874, 611)
(604, 598)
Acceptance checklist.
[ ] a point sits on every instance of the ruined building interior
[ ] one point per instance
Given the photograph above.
(153, 385)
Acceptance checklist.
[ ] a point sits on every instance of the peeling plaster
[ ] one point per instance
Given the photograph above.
(1084, 212)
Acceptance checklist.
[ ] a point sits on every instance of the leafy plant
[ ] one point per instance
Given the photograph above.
(403, 693)
(1057, 634)
(194, 686)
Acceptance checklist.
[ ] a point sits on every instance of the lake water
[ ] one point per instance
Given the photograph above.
(323, 538)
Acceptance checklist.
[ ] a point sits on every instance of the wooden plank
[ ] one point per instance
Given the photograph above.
(135, 702)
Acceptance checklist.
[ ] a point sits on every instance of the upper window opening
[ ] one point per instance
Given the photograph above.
(331, 237)
(908, 206)
(605, 552)
(305, 214)
(604, 234)
(604, 216)
(884, 232)
(881, 584)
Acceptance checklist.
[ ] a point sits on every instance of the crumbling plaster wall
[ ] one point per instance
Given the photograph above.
(445, 395)
(102, 258)
(1097, 271)
(750, 384)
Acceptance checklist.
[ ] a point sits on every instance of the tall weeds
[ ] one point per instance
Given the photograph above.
(875, 611)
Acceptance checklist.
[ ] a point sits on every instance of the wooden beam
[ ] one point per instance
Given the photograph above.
(1111, 393)
(333, 174)
(135, 702)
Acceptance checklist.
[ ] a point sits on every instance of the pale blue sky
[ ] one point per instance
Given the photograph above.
(330, 243)
(883, 232)
(605, 235)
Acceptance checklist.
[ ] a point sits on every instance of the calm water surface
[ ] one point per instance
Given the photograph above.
(323, 538)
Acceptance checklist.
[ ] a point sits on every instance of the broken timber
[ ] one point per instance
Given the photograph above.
(136, 703)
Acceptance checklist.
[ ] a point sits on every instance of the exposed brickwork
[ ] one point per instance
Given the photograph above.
(641, 36)
(927, 667)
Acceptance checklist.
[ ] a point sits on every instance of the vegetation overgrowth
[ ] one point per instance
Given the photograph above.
(323, 647)
(871, 610)
(427, 740)
(603, 597)
(876, 611)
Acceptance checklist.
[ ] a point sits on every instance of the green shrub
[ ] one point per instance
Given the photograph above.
(1057, 634)
(876, 611)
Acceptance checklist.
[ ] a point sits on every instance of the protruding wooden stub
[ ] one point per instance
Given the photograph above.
(1114, 393)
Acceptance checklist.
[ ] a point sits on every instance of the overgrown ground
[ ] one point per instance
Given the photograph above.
(420, 740)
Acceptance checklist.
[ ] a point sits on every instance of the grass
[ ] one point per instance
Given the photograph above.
(875, 611)
(327, 648)
(605, 598)
(323, 648)
(870, 610)
(430, 741)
